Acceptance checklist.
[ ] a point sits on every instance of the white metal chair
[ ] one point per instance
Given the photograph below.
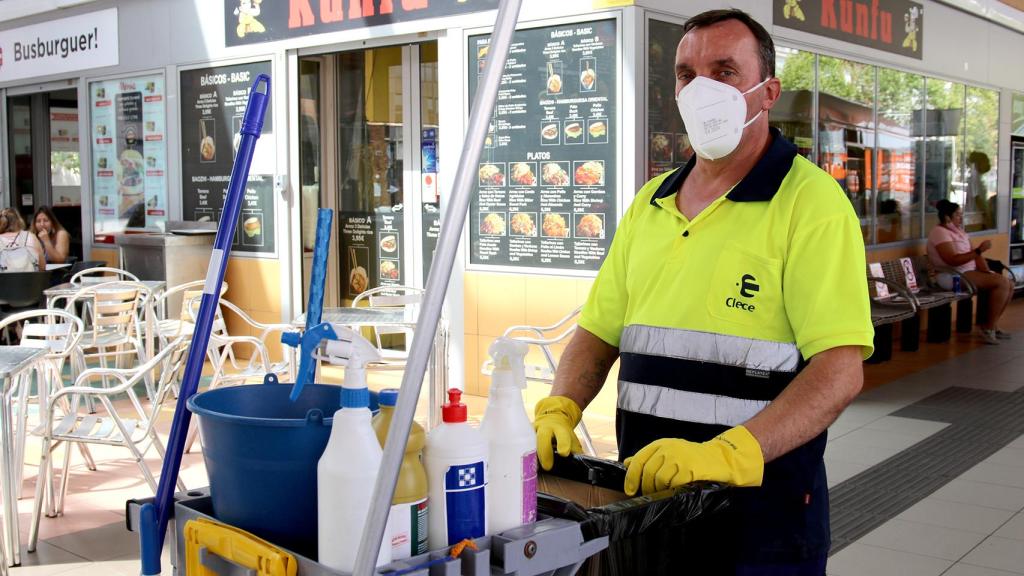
(115, 329)
(104, 274)
(544, 338)
(404, 297)
(228, 366)
(57, 332)
(137, 434)
(181, 323)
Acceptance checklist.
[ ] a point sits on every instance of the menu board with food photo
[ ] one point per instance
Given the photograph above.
(129, 154)
(213, 102)
(373, 257)
(668, 146)
(546, 182)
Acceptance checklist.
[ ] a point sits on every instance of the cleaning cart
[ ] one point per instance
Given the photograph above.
(216, 531)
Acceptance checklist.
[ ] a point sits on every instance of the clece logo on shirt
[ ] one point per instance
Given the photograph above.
(748, 288)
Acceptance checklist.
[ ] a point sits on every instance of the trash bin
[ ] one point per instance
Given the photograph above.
(176, 258)
(676, 531)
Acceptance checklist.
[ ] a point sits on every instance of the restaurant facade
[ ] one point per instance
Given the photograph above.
(125, 116)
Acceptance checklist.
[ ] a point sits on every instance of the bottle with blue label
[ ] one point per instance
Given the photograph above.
(456, 462)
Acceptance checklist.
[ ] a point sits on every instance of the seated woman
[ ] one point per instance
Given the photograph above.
(949, 246)
(54, 238)
(23, 252)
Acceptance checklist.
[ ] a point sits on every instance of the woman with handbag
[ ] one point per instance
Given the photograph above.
(20, 251)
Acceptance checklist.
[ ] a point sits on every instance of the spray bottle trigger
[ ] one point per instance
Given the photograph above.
(510, 355)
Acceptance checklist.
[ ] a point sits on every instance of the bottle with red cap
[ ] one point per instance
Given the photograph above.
(456, 462)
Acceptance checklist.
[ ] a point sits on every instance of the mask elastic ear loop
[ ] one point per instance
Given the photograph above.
(755, 87)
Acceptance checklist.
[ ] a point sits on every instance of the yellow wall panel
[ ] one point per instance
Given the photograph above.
(471, 366)
(549, 299)
(999, 251)
(470, 282)
(502, 299)
(108, 255)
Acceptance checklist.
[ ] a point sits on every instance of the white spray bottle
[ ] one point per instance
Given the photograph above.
(350, 465)
(512, 443)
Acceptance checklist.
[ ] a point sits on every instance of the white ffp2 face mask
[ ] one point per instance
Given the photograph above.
(713, 113)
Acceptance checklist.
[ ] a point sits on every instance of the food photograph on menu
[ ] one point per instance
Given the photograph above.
(523, 224)
(546, 193)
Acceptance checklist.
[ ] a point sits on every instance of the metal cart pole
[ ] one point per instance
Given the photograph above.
(437, 286)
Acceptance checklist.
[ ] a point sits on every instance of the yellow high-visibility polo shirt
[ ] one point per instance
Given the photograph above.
(714, 317)
(780, 257)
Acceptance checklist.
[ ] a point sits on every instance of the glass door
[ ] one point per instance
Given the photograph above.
(368, 149)
(44, 163)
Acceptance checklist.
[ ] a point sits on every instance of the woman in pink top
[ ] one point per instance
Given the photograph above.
(950, 246)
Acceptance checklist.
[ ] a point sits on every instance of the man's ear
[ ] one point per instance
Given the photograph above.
(773, 88)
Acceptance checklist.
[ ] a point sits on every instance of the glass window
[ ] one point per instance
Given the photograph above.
(309, 148)
(900, 104)
(944, 144)
(792, 112)
(982, 152)
(370, 168)
(846, 130)
(668, 146)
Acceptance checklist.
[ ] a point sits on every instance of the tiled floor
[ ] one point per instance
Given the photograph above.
(971, 526)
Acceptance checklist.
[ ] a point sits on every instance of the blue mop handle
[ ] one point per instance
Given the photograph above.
(252, 126)
(317, 280)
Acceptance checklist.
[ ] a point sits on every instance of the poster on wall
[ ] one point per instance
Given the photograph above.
(213, 102)
(668, 145)
(129, 154)
(375, 245)
(546, 183)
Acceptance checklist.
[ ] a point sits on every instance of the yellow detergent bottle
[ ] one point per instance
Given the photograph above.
(408, 520)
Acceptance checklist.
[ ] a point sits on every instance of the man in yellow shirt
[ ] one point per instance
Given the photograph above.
(735, 298)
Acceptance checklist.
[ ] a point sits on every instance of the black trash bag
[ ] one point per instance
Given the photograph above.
(677, 531)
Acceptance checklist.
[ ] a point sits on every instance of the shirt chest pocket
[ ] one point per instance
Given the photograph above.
(746, 288)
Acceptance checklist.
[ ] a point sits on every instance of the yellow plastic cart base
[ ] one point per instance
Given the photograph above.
(210, 545)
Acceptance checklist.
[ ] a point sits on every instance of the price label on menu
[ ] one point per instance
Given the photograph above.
(545, 195)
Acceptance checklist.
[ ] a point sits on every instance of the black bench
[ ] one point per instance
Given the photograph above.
(886, 312)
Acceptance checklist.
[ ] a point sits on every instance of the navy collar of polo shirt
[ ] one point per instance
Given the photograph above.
(759, 185)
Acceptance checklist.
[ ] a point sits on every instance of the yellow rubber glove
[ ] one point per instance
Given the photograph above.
(733, 457)
(555, 418)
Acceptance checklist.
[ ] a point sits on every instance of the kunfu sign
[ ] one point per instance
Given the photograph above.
(253, 21)
(895, 26)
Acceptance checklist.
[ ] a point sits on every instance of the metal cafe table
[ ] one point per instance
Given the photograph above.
(369, 317)
(14, 361)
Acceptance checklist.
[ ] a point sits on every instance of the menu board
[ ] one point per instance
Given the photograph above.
(129, 153)
(213, 102)
(374, 242)
(668, 146)
(546, 189)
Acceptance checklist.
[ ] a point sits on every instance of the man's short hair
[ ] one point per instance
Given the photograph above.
(766, 47)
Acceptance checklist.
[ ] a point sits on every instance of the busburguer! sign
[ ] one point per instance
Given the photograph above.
(252, 21)
(895, 26)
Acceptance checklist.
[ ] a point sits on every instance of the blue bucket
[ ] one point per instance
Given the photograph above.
(261, 452)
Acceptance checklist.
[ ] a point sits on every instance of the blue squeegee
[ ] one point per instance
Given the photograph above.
(153, 517)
